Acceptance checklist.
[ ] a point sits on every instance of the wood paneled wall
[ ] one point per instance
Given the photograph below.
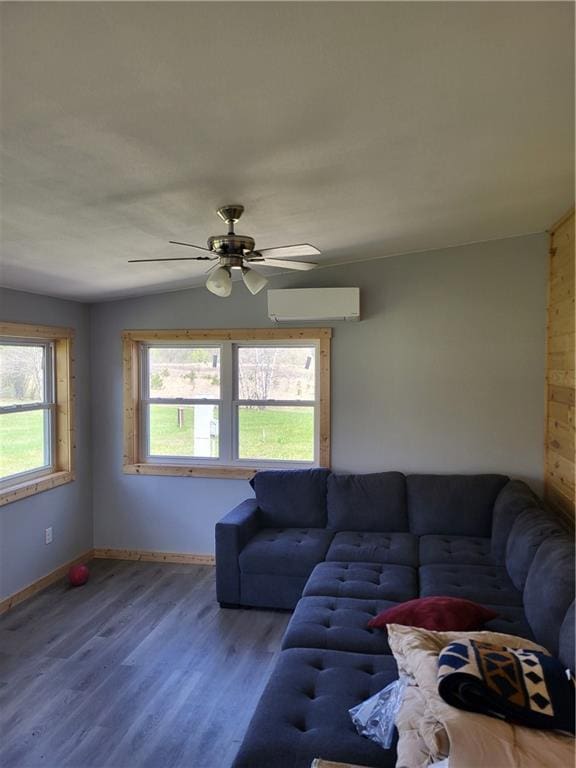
(560, 377)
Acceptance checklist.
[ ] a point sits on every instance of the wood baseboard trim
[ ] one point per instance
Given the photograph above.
(155, 557)
(110, 554)
(42, 583)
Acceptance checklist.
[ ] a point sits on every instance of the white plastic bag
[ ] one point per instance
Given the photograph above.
(374, 718)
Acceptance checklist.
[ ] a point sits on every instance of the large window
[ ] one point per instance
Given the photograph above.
(35, 409)
(26, 409)
(224, 402)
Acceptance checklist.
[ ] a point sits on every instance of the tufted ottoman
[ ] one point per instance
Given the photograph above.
(367, 581)
(303, 712)
(337, 624)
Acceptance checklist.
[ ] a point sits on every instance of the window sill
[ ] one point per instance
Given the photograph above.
(185, 470)
(32, 487)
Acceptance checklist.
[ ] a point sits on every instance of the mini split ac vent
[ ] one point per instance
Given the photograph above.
(309, 304)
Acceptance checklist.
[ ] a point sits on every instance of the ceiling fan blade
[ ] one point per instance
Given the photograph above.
(302, 265)
(189, 245)
(303, 249)
(177, 258)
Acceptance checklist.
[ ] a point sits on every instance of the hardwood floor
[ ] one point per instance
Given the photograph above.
(140, 668)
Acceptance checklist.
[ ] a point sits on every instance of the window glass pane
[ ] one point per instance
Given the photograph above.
(184, 430)
(282, 433)
(21, 374)
(276, 373)
(189, 372)
(22, 441)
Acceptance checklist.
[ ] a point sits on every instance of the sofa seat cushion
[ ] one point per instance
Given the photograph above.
(399, 548)
(337, 624)
(459, 505)
(289, 551)
(487, 585)
(373, 502)
(303, 712)
(366, 581)
(455, 550)
(511, 620)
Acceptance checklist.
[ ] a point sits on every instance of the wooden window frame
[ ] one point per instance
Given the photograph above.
(64, 447)
(132, 341)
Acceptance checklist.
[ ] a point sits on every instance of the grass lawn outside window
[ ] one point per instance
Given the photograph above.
(270, 433)
(21, 442)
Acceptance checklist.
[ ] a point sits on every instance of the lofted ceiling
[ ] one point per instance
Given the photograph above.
(367, 129)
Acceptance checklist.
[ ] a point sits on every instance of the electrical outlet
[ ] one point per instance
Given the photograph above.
(48, 535)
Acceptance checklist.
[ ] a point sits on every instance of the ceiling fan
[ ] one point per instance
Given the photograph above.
(234, 251)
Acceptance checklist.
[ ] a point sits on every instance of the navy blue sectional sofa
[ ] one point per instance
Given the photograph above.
(339, 549)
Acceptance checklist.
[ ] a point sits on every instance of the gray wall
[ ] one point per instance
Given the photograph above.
(444, 374)
(24, 557)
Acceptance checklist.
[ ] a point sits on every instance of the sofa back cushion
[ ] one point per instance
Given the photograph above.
(549, 590)
(566, 650)
(513, 499)
(456, 505)
(291, 498)
(530, 529)
(375, 502)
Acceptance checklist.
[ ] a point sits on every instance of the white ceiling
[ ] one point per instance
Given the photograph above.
(368, 129)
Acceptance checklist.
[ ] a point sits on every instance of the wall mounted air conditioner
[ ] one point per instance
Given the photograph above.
(309, 304)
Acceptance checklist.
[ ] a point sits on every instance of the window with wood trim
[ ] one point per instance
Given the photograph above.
(36, 409)
(226, 403)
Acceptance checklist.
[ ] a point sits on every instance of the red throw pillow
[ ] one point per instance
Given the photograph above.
(443, 614)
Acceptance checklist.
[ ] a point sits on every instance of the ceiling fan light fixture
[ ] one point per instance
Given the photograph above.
(220, 283)
(254, 281)
(233, 251)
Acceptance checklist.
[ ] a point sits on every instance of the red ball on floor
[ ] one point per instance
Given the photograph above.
(78, 575)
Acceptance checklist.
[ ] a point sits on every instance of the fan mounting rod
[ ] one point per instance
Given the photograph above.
(230, 214)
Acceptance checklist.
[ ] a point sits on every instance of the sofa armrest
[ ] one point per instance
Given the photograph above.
(233, 532)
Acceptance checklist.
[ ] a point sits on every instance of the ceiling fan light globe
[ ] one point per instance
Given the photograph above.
(254, 281)
(220, 283)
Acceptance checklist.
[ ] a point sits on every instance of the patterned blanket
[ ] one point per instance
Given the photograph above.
(524, 687)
